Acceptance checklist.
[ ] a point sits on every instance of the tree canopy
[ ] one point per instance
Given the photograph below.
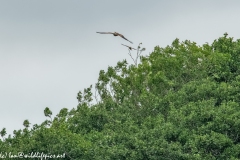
(180, 102)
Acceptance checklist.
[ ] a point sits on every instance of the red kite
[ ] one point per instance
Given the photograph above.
(115, 34)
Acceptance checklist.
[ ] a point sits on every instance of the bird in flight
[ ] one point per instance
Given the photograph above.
(115, 34)
(130, 48)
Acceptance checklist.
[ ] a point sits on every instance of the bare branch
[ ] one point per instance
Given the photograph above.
(132, 57)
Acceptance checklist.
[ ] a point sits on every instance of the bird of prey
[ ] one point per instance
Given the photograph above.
(130, 48)
(115, 34)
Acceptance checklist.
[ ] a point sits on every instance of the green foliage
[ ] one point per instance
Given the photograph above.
(86, 97)
(26, 123)
(179, 102)
(47, 112)
(3, 132)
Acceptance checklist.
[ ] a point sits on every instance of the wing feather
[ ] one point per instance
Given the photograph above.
(126, 39)
(105, 32)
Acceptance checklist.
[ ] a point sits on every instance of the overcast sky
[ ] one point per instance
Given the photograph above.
(49, 49)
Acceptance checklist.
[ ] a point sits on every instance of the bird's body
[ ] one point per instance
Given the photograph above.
(115, 34)
(130, 48)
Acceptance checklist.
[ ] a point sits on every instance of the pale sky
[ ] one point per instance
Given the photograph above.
(49, 50)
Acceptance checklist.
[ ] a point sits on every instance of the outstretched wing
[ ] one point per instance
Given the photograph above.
(105, 32)
(125, 38)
